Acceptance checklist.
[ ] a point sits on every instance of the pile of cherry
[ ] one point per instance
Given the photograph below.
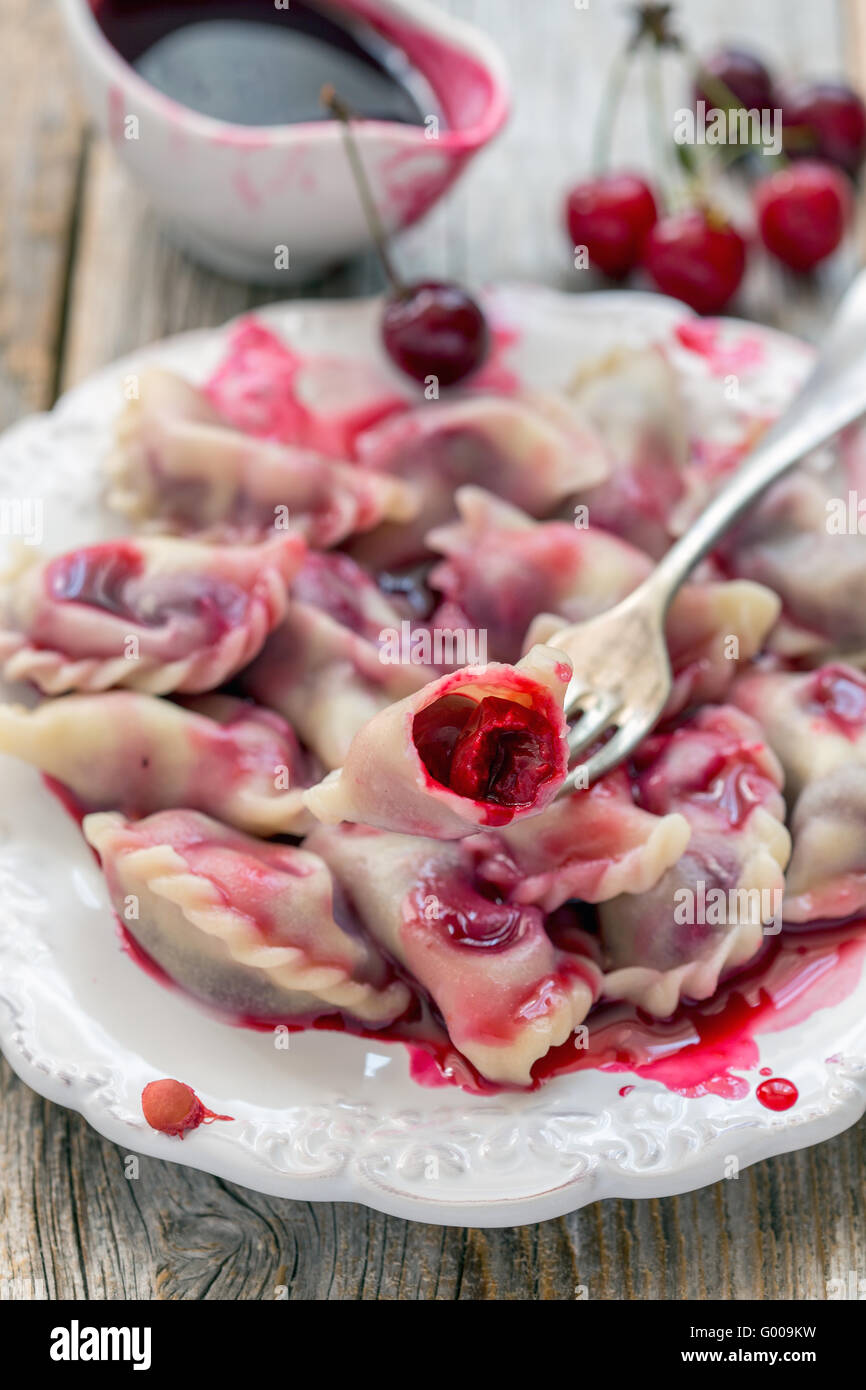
(435, 331)
(802, 207)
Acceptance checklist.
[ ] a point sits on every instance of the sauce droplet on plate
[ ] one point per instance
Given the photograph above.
(777, 1094)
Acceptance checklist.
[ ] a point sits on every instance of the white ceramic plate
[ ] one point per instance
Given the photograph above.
(336, 1117)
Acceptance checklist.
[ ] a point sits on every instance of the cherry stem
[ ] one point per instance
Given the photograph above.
(345, 116)
(656, 112)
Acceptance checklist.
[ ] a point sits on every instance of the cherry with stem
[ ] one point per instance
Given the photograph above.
(433, 330)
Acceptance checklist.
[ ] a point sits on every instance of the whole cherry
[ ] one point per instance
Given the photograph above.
(430, 329)
(826, 120)
(434, 329)
(696, 256)
(734, 77)
(802, 212)
(611, 215)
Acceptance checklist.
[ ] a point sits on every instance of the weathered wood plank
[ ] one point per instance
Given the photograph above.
(72, 1220)
(40, 150)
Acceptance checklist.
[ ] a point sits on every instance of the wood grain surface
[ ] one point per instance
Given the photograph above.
(86, 274)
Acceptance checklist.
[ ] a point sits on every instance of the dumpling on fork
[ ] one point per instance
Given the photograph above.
(155, 614)
(483, 746)
(506, 993)
(253, 928)
(179, 465)
(125, 751)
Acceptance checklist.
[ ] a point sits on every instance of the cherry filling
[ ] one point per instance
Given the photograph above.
(722, 769)
(492, 750)
(482, 923)
(462, 912)
(97, 575)
(841, 699)
(436, 730)
(112, 578)
(333, 583)
(735, 793)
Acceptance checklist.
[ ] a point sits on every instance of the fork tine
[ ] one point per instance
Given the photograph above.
(593, 722)
(576, 691)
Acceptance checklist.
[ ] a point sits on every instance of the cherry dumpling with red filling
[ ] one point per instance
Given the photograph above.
(709, 911)
(253, 928)
(520, 581)
(802, 541)
(531, 450)
(154, 614)
(481, 747)
(506, 993)
(328, 680)
(501, 568)
(816, 721)
(121, 750)
(632, 397)
(180, 467)
(592, 843)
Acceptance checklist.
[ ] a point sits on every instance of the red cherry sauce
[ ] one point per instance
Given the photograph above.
(469, 914)
(492, 750)
(724, 770)
(259, 388)
(112, 578)
(838, 695)
(702, 1047)
(734, 790)
(723, 353)
(251, 62)
(777, 1094)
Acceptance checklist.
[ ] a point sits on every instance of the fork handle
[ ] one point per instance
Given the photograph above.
(833, 395)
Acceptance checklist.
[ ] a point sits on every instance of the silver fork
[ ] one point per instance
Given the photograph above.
(622, 674)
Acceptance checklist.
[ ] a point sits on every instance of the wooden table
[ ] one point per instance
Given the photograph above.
(85, 275)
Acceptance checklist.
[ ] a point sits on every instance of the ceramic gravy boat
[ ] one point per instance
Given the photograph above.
(245, 199)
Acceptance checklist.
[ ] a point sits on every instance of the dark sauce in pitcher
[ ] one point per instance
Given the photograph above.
(252, 62)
